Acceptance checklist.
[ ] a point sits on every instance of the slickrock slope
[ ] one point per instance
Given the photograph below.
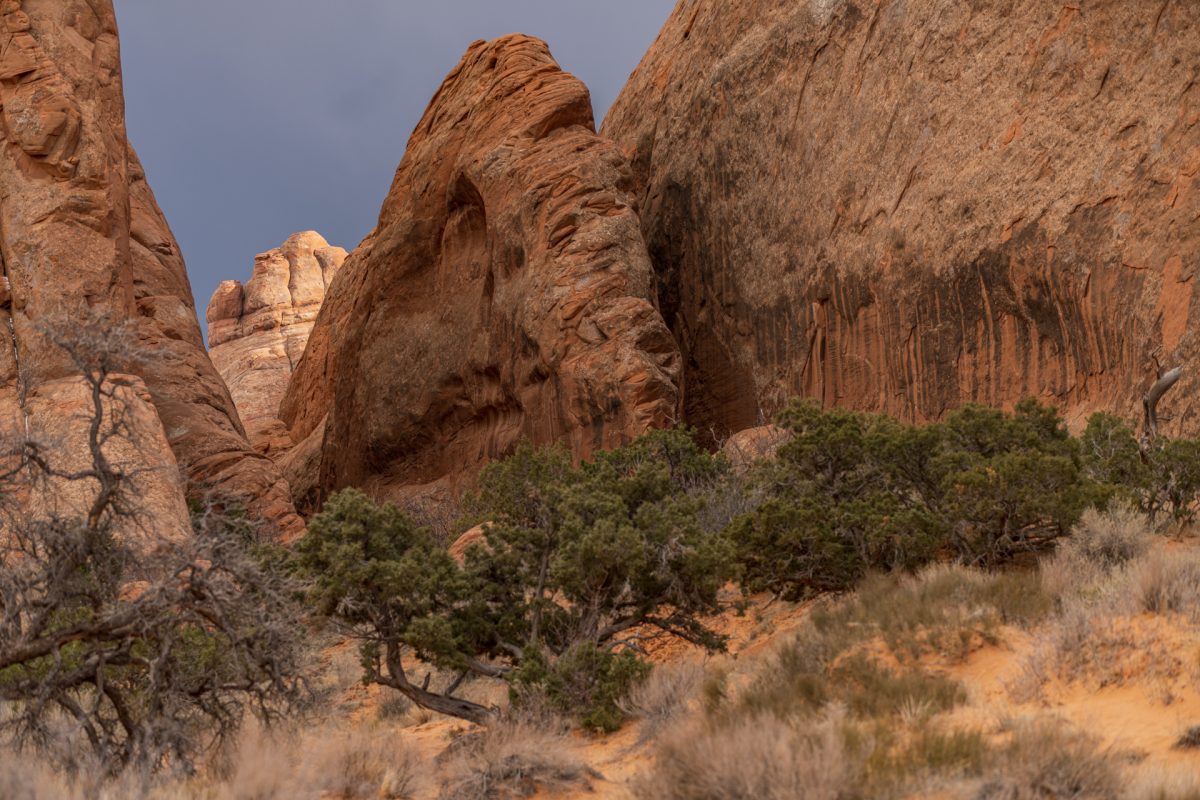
(257, 332)
(907, 205)
(505, 293)
(79, 228)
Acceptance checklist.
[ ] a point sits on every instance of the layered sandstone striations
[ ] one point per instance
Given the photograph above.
(257, 332)
(81, 237)
(506, 293)
(907, 205)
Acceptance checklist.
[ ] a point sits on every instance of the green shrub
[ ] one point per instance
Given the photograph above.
(852, 493)
(578, 565)
(1160, 478)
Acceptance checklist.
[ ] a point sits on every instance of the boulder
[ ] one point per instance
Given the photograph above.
(459, 547)
(745, 448)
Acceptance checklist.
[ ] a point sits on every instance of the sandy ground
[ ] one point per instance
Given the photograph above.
(1139, 700)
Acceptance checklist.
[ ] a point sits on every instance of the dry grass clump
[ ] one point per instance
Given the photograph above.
(325, 765)
(1167, 583)
(365, 764)
(394, 706)
(1110, 538)
(26, 778)
(1164, 783)
(1046, 758)
(1110, 571)
(353, 764)
(806, 675)
(20, 779)
(1098, 646)
(1190, 740)
(947, 610)
(664, 696)
(939, 754)
(834, 658)
(829, 755)
(872, 690)
(1102, 545)
(755, 756)
(1113, 564)
(519, 756)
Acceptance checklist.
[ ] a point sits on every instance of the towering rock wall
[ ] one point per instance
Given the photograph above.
(905, 205)
(81, 236)
(505, 293)
(257, 332)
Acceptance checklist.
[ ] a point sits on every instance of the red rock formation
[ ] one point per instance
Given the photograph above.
(79, 228)
(907, 205)
(505, 293)
(257, 332)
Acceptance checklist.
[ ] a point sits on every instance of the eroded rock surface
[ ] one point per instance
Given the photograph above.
(79, 229)
(905, 206)
(257, 332)
(505, 293)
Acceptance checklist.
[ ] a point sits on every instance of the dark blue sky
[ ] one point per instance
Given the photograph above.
(259, 118)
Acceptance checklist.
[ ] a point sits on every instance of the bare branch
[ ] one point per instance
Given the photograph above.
(1163, 385)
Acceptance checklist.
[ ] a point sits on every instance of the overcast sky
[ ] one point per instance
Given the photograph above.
(259, 118)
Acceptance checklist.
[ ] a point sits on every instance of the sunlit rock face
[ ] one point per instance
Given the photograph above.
(905, 206)
(80, 233)
(505, 294)
(257, 332)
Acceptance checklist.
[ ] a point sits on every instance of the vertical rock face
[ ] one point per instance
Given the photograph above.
(257, 332)
(505, 293)
(906, 205)
(79, 229)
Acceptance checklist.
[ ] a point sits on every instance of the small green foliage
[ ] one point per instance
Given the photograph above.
(1111, 457)
(372, 567)
(587, 683)
(1159, 478)
(1174, 479)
